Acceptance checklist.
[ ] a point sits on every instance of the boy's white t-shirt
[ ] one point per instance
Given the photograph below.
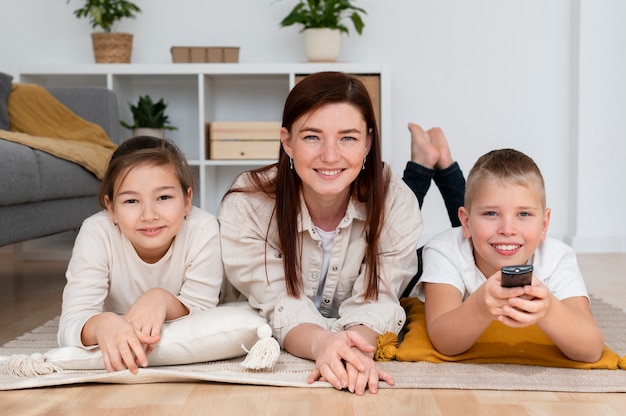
(448, 258)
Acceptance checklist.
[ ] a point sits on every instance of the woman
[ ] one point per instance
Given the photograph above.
(323, 242)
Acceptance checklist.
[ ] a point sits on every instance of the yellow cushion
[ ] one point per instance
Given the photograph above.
(498, 344)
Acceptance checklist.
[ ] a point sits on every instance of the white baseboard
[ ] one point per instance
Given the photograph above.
(599, 244)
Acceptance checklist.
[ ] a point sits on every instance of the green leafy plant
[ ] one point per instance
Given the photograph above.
(105, 14)
(148, 114)
(325, 14)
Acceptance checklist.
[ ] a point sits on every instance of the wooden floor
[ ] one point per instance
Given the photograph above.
(30, 294)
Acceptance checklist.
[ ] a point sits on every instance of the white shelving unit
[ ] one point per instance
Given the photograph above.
(197, 94)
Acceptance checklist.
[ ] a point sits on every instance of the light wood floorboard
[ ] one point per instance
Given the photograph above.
(30, 294)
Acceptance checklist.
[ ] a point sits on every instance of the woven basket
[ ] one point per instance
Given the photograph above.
(110, 48)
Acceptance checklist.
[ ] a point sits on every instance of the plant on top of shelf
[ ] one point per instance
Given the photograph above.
(105, 14)
(109, 46)
(325, 14)
(322, 24)
(148, 114)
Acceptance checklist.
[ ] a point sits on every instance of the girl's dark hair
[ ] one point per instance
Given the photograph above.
(370, 187)
(144, 150)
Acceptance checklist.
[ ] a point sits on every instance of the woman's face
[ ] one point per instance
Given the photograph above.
(328, 147)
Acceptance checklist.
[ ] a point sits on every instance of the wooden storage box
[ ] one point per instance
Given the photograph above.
(243, 140)
(204, 54)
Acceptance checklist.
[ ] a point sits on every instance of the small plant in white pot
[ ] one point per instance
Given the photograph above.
(149, 118)
(322, 25)
(109, 46)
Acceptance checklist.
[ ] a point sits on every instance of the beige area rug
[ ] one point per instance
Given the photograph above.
(291, 371)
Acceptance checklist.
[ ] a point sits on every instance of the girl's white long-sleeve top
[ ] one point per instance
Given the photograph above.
(106, 274)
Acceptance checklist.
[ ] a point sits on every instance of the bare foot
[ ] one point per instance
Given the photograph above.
(423, 152)
(438, 139)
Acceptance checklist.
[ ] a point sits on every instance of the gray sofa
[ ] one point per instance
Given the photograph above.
(41, 194)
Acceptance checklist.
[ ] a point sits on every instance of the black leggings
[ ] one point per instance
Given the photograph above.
(451, 184)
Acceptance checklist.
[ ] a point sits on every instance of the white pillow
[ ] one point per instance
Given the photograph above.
(215, 334)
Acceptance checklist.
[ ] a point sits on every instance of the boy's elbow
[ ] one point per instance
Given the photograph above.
(591, 357)
(591, 354)
(447, 348)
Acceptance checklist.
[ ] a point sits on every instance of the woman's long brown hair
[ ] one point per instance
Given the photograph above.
(370, 187)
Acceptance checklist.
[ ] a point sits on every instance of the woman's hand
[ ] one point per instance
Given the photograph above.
(369, 377)
(344, 359)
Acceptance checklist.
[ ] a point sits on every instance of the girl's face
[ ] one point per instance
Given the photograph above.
(328, 147)
(149, 209)
(506, 223)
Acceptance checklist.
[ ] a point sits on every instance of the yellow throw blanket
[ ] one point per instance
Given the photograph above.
(40, 121)
(498, 344)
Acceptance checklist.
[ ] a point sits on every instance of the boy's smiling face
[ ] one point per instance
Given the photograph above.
(506, 222)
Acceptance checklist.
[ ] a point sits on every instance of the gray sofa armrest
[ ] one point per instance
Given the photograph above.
(95, 104)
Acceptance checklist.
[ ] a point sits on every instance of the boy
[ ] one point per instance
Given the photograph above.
(504, 222)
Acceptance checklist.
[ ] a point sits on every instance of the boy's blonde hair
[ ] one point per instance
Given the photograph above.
(508, 166)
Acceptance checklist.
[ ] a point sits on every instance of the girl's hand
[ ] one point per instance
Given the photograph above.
(121, 345)
(151, 309)
(148, 312)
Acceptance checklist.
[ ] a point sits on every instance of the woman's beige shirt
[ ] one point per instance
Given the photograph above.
(255, 268)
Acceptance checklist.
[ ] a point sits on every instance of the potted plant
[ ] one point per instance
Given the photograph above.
(109, 46)
(322, 25)
(149, 118)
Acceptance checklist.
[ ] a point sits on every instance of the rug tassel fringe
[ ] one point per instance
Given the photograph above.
(30, 366)
(264, 353)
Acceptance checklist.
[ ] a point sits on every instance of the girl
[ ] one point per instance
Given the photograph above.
(149, 257)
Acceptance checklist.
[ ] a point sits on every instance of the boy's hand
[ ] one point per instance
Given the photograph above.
(528, 308)
(494, 297)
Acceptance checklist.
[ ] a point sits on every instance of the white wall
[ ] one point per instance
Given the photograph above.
(600, 196)
(541, 76)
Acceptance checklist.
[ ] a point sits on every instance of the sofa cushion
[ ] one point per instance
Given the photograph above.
(39, 176)
(5, 90)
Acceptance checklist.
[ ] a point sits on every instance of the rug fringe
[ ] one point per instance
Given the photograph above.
(34, 365)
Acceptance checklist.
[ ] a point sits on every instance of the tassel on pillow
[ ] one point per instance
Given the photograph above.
(263, 354)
